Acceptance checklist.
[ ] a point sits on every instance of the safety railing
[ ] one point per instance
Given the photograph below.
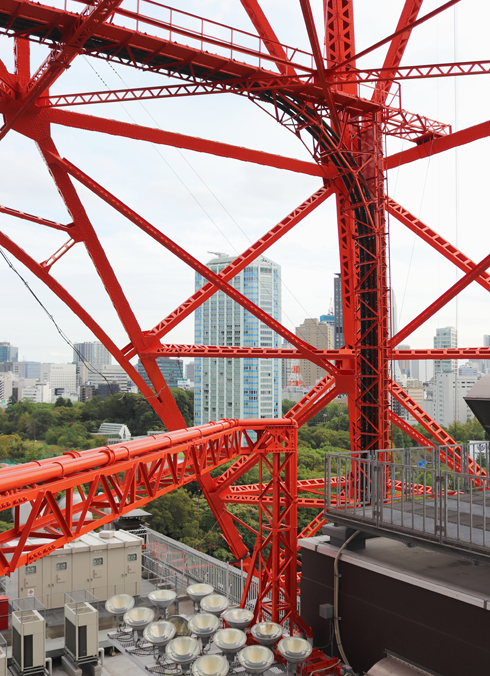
(174, 25)
(439, 495)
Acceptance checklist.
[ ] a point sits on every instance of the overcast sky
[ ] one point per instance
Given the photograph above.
(207, 203)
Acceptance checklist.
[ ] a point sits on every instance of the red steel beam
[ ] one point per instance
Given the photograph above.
(238, 352)
(191, 261)
(438, 145)
(440, 302)
(266, 32)
(320, 66)
(240, 263)
(71, 44)
(396, 34)
(340, 40)
(161, 137)
(36, 219)
(404, 426)
(130, 475)
(446, 353)
(397, 47)
(436, 241)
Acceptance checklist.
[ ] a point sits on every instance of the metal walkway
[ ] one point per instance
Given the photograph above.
(410, 495)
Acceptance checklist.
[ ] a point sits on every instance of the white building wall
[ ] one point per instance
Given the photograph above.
(38, 394)
(448, 402)
(60, 375)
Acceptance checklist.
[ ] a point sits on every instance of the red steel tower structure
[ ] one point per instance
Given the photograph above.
(317, 94)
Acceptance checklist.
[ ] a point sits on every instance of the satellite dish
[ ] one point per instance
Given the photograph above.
(238, 618)
(181, 625)
(215, 604)
(210, 665)
(119, 605)
(230, 641)
(159, 634)
(162, 599)
(198, 592)
(267, 633)
(183, 650)
(204, 625)
(294, 650)
(138, 619)
(256, 659)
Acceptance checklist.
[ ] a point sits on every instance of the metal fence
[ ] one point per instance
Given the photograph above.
(168, 562)
(171, 563)
(439, 495)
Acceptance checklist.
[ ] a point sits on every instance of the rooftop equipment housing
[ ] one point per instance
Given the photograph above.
(28, 636)
(81, 627)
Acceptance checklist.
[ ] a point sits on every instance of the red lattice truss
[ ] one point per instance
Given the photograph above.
(319, 95)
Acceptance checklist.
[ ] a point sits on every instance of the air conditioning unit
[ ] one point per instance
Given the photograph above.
(28, 640)
(81, 631)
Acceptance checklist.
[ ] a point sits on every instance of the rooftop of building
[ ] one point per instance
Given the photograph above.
(446, 574)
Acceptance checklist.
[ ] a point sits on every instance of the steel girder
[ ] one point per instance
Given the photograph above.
(314, 98)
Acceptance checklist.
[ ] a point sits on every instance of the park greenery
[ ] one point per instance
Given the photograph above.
(32, 431)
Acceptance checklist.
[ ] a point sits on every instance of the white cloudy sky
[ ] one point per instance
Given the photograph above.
(210, 204)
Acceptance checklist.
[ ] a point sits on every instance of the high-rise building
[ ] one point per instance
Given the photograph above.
(486, 362)
(445, 338)
(320, 335)
(338, 333)
(445, 402)
(328, 319)
(93, 352)
(189, 371)
(60, 376)
(238, 388)
(172, 370)
(8, 352)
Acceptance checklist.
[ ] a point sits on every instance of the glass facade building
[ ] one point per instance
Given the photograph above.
(238, 388)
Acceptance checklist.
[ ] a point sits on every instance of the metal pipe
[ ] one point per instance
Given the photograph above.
(49, 662)
(101, 656)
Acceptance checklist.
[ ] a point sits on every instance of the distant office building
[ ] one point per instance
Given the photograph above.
(415, 371)
(320, 335)
(238, 388)
(328, 319)
(405, 365)
(6, 388)
(22, 369)
(40, 393)
(445, 402)
(105, 390)
(415, 390)
(8, 352)
(486, 362)
(93, 352)
(338, 337)
(189, 371)
(470, 369)
(86, 393)
(106, 374)
(445, 338)
(59, 376)
(171, 369)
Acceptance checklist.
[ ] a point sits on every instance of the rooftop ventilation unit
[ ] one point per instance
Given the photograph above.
(81, 631)
(28, 636)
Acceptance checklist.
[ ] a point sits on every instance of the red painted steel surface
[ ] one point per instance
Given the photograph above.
(317, 96)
